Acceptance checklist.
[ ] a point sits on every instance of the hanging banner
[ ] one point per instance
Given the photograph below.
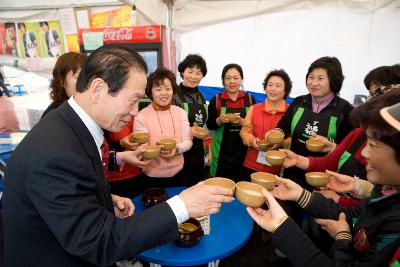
(51, 44)
(133, 34)
(114, 18)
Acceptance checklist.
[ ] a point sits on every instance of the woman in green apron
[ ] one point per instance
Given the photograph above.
(226, 113)
(320, 112)
(192, 70)
(373, 239)
(346, 158)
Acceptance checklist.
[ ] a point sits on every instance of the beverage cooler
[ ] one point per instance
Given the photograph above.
(150, 41)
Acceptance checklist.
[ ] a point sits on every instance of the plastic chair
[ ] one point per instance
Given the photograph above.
(19, 89)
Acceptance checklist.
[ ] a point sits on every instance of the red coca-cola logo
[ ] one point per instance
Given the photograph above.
(120, 34)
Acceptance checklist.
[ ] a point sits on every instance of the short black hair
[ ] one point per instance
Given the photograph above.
(334, 70)
(112, 63)
(157, 77)
(285, 77)
(193, 60)
(21, 24)
(43, 23)
(231, 66)
(383, 75)
(367, 116)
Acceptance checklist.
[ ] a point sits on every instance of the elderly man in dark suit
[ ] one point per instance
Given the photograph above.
(58, 210)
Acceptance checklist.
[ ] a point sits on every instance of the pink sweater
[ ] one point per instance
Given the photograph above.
(169, 123)
(8, 119)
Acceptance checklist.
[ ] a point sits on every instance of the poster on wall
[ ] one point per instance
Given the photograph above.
(28, 34)
(115, 18)
(2, 38)
(72, 42)
(8, 41)
(68, 21)
(11, 39)
(51, 44)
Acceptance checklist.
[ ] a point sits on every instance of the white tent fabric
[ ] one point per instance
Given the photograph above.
(362, 40)
(290, 34)
(189, 15)
(46, 4)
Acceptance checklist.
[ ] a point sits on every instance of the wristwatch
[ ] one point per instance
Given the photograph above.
(112, 164)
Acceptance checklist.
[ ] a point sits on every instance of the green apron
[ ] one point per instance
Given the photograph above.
(193, 168)
(228, 151)
(304, 123)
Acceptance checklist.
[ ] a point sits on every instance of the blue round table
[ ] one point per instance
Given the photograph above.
(7, 146)
(229, 231)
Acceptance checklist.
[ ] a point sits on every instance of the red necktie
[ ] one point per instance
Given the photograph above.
(105, 158)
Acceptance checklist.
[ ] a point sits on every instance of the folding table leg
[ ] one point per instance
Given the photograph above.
(213, 263)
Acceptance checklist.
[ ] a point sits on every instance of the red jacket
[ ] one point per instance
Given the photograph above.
(127, 171)
(262, 121)
(330, 161)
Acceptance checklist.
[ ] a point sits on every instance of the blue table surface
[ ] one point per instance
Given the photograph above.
(6, 148)
(229, 231)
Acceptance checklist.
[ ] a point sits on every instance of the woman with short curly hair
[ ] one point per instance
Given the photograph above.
(162, 120)
(263, 117)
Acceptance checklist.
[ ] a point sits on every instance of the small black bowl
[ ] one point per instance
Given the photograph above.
(153, 196)
(190, 234)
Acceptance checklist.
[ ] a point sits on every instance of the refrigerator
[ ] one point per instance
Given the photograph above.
(152, 42)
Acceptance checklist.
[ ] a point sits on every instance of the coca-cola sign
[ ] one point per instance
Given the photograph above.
(132, 34)
(118, 34)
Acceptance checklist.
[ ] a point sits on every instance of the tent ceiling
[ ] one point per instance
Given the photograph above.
(192, 14)
(187, 14)
(6, 5)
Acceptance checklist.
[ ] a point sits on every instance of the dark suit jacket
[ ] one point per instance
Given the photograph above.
(57, 206)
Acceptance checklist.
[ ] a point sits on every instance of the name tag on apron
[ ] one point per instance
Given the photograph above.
(261, 158)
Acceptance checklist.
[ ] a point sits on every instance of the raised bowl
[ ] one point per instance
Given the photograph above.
(221, 182)
(314, 145)
(152, 152)
(190, 232)
(317, 179)
(275, 137)
(265, 179)
(167, 143)
(249, 194)
(263, 144)
(140, 138)
(200, 133)
(153, 196)
(232, 116)
(275, 157)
